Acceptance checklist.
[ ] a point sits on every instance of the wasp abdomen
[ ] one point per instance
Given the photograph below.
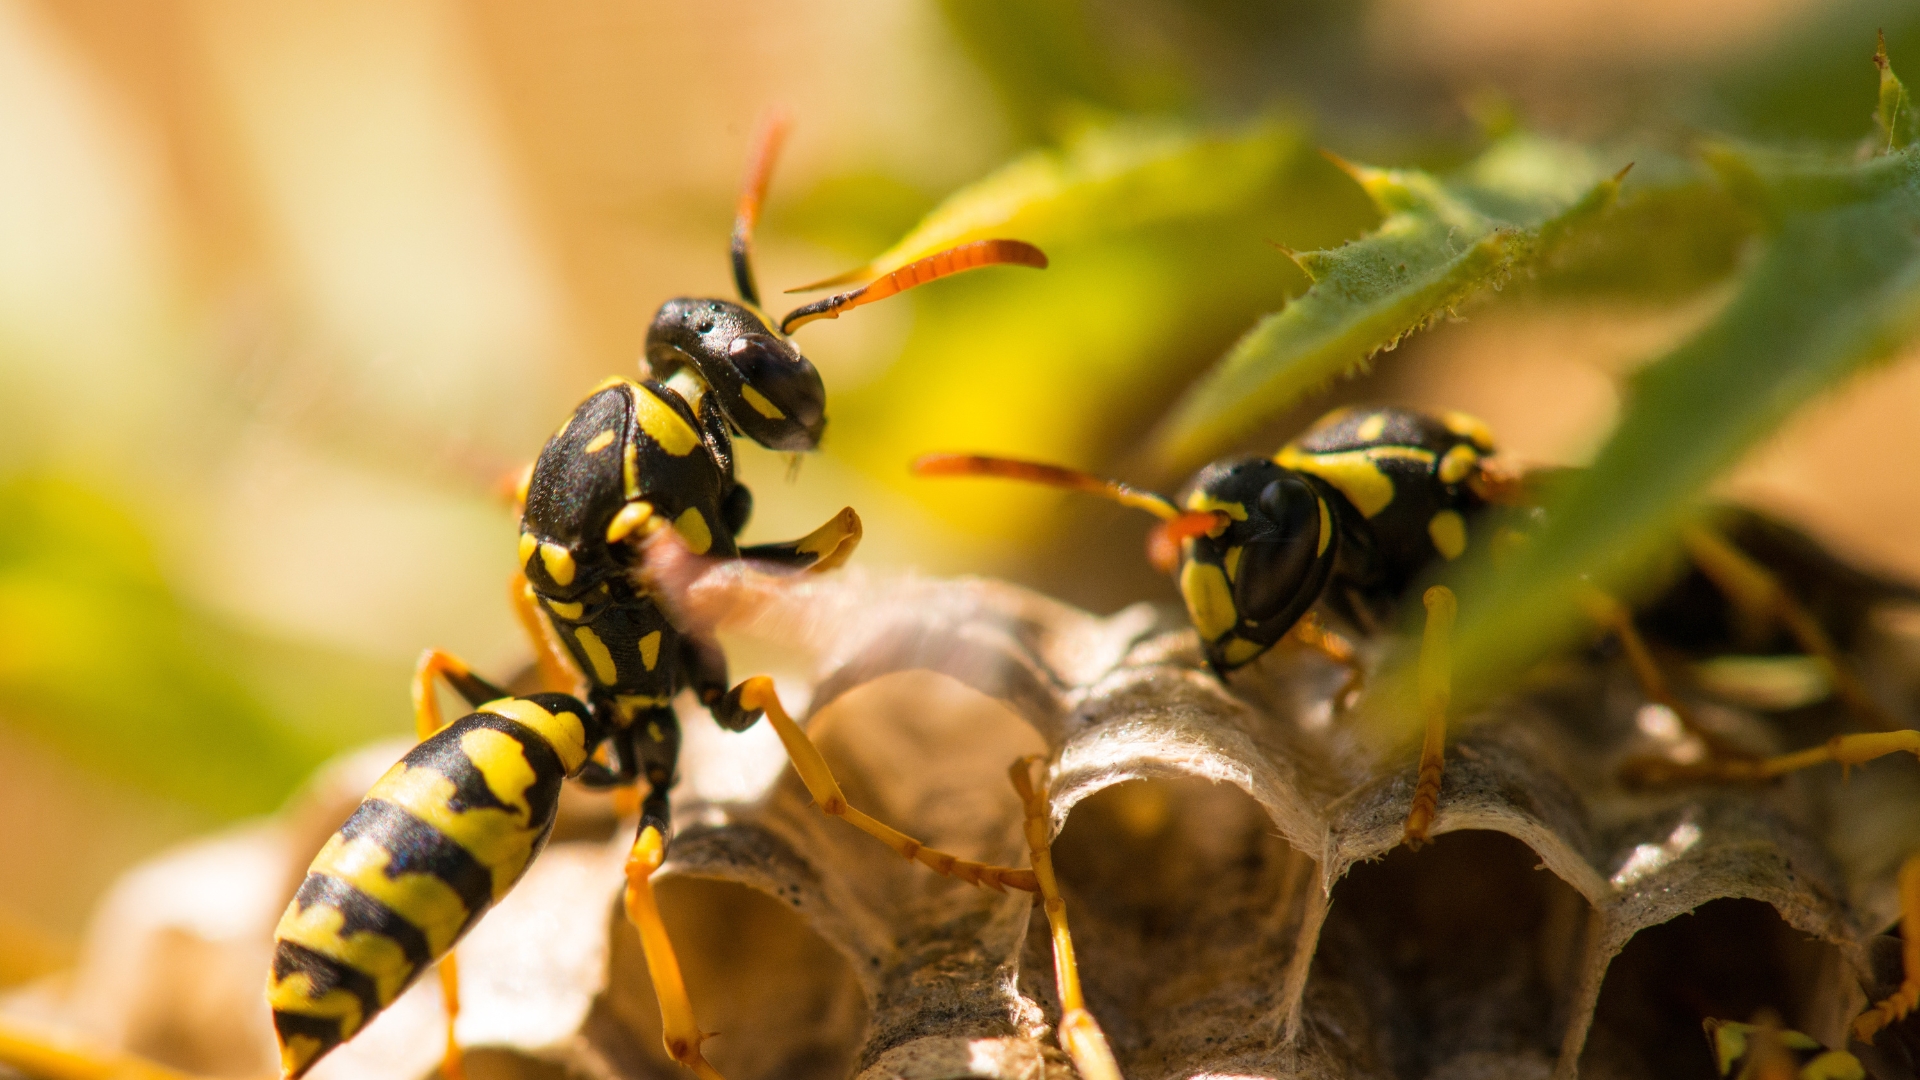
(443, 835)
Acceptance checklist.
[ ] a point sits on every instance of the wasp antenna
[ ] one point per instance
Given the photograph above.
(1034, 472)
(766, 147)
(1163, 543)
(835, 281)
(954, 260)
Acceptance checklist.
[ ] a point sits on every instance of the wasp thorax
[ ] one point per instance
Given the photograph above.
(767, 389)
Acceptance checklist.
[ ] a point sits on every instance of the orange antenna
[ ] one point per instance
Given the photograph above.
(954, 260)
(766, 148)
(1163, 544)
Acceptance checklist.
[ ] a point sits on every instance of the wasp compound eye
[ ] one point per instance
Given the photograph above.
(775, 395)
(1277, 564)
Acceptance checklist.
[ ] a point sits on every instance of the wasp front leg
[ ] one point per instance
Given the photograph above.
(821, 550)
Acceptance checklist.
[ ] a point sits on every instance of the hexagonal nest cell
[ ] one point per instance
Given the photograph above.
(1230, 856)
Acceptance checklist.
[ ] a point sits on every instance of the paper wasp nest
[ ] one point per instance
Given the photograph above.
(1229, 859)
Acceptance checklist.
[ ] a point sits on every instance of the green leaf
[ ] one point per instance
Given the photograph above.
(1836, 288)
(1893, 116)
(1104, 180)
(1440, 243)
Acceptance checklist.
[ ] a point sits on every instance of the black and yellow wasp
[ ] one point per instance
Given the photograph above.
(451, 828)
(1766, 1051)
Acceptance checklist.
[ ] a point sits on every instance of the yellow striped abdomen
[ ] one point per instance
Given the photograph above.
(442, 836)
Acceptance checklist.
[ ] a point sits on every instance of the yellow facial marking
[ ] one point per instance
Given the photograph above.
(1457, 463)
(633, 516)
(495, 838)
(1209, 599)
(1232, 563)
(1326, 528)
(559, 563)
(562, 730)
(1356, 473)
(662, 424)
(527, 546)
(692, 528)
(1449, 533)
(604, 670)
(650, 650)
(1240, 650)
(1200, 500)
(1372, 427)
(760, 403)
(502, 763)
(423, 900)
(295, 994)
(1469, 427)
(566, 610)
(600, 442)
(376, 956)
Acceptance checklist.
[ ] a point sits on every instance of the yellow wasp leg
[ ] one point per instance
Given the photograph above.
(757, 694)
(1843, 750)
(1614, 617)
(682, 1035)
(1436, 693)
(1080, 1034)
(1905, 999)
(557, 673)
(1755, 588)
(46, 1058)
(1311, 633)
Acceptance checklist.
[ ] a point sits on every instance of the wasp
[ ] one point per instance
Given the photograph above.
(453, 826)
(1766, 1051)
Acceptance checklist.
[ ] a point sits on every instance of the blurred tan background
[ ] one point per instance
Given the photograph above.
(286, 286)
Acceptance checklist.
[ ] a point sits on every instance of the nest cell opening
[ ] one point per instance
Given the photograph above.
(1728, 958)
(1467, 947)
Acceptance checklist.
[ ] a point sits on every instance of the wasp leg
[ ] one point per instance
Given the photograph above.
(1843, 750)
(1615, 618)
(1080, 1034)
(1313, 634)
(1756, 589)
(427, 721)
(1907, 998)
(557, 673)
(682, 1034)
(756, 695)
(1436, 693)
(47, 1057)
(821, 550)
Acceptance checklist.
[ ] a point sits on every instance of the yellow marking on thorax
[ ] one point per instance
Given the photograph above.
(1232, 563)
(630, 469)
(1356, 473)
(629, 705)
(559, 563)
(650, 650)
(1201, 501)
(1372, 427)
(1209, 599)
(1326, 527)
(633, 516)
(654, 733)
(692, 527)
(562, 730)
(294, 994)
(604, 670)
(496, 839)
(1471, 427)
(374, 955)
(600, 442)
(1457, 463)
(528, 545)
(1240, 650)
(760, 403)
(565, 609)
(429, 904)
(662, 424)
(502, 762)
(1448, 533)
(521, 484)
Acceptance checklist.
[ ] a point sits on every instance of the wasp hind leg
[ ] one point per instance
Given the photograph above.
(1905, 999)
(744, 704)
